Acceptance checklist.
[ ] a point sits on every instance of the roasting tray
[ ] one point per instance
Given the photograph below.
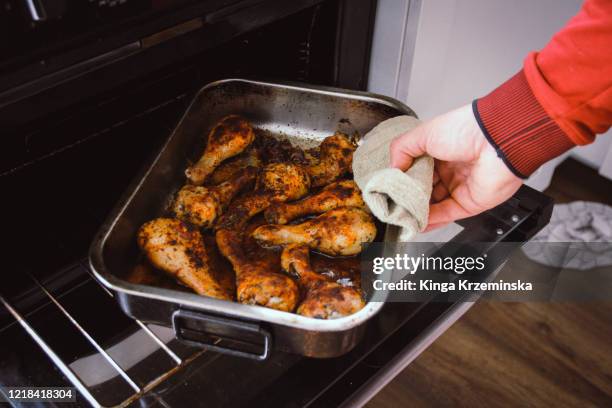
(304, 114)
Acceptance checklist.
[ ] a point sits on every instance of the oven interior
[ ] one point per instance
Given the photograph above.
(69, 150)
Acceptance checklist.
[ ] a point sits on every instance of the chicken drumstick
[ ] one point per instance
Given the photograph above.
(230, 136)
(335, 160)
(201, 206)
(337, 232)
(255, 283)
(249, 158)
(179, 251)
(339, 194)
(323, 299)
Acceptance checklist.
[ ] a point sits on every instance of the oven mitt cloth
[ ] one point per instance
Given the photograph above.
(394, 197)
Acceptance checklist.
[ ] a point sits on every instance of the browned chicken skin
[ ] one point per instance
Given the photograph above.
(230, 136)
(179, 251)
(339, 194)
(284, 181)
(335, 159)
(255, 283)
(201, 206)
(277, 182)
(337, 232)
(323, 299)
(227, 169)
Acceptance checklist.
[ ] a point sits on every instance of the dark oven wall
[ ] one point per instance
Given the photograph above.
(325, 43)
(69, 151)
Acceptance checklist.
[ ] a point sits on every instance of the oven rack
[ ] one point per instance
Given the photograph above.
(179, 359)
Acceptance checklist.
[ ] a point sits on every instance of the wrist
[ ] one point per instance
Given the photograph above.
(515, 124)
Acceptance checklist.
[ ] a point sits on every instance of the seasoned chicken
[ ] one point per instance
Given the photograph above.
(335, 159)
(230, 136)
(337, 232)
(227, 169)
(323, 299)
(277, 182)
(335, 195)
(179, 251)
(201, 206)
(255, 283)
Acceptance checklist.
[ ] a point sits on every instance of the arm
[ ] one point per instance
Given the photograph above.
(561, 98)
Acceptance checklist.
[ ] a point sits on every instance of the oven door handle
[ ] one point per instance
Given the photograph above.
(228, 336)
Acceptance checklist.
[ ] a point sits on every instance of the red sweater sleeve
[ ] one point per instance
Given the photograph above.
(561, 98)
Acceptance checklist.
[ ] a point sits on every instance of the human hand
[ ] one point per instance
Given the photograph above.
(469, 177)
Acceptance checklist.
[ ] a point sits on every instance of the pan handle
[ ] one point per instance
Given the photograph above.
(228, 336)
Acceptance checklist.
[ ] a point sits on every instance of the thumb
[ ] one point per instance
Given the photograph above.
(408, 146)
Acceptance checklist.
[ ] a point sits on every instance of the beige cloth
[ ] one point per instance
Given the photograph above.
(394, 197)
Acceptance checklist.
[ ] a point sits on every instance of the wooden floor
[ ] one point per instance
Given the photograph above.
(519, 354)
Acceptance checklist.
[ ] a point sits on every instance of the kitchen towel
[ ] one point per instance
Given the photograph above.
(586, 225)
(394, 197)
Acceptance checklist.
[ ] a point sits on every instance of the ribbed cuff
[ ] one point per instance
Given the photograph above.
(519, 129)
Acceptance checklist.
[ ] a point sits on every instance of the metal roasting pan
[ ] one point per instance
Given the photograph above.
(304, 114)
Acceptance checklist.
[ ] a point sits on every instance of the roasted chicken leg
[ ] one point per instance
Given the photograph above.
(335, 195)
(201, 206)
(323, 299)
(231, 136)
(179, 251)
(337, 232)
(227, 169)
(255, 283)
(335, 159)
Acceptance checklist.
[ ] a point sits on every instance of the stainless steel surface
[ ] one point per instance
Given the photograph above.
(305, 115)
(99, 395)
(63, 367)
(159, 341)
(36, 11)
(143, 326)
(90, 339)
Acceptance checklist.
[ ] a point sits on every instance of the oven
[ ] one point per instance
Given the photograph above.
(89, 91)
